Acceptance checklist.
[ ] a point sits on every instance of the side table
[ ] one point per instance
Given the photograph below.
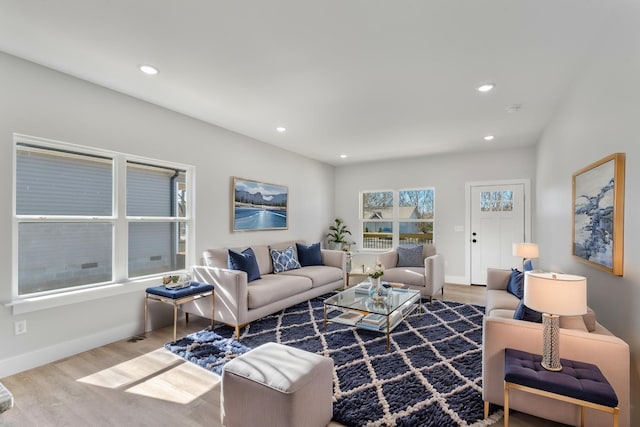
(176, 297)
(578, 383)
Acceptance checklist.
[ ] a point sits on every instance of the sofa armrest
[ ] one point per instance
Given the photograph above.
(498, 278)
(609, 353)
(388, 259)
(231, 294)
(334, 258)
(434, 272)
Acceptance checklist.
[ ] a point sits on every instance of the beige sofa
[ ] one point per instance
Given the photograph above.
(238, 302)
(428, 279)
(581, 338)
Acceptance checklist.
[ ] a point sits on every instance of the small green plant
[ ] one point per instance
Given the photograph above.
(338, 234)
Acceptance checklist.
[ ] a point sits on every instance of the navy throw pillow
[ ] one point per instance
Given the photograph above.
(410, 257)
(528, 265)
(525, 313)
(309, 254)
(516, 283)
(245, 261)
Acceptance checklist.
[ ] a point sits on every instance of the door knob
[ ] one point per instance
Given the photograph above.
(474, 240)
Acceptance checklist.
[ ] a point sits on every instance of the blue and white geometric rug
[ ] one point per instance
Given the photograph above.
(431, 377)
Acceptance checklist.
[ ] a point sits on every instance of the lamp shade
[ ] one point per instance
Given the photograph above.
(560, 294)
(525, 250)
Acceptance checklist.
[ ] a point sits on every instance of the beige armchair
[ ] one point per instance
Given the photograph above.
(428, 278)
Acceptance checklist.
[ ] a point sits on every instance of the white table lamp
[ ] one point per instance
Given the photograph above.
(525, 251)
(554, 295)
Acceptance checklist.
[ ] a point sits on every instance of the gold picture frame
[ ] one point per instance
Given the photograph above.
(258, 205)
(598, 214)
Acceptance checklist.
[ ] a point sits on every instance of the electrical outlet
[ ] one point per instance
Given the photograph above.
(19, 327)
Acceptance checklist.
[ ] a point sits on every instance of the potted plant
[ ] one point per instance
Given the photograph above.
(338, 235)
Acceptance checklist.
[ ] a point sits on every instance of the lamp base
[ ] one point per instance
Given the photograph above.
(551, 342)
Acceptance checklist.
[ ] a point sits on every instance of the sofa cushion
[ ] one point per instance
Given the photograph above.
(309, 254)
(284, 260)
(516, 283)
(320, 275)
(525, 313)
(275, 287)
(244, 261)
(410, 256)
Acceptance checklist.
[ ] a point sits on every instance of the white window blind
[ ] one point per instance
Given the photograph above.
(68, 231)
(68, 241)
(154, 203)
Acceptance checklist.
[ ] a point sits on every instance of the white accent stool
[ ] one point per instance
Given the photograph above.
(6, 399)
(277, 385)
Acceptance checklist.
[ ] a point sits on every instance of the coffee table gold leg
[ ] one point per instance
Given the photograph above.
(325, 317)
(388, 332)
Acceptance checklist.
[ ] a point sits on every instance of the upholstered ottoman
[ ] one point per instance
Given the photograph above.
(277, 385)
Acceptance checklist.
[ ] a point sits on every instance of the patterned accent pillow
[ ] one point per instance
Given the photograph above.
(284, 260)
(410, 257)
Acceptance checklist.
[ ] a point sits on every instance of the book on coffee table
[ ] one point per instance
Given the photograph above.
(348, 318)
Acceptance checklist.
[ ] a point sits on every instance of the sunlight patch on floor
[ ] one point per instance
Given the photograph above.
(182, 384)
(159, 374)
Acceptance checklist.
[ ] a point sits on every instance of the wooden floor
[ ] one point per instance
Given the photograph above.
(136, 382)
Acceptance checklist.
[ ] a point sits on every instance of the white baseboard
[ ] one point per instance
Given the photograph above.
(456, 280)
(42, 356)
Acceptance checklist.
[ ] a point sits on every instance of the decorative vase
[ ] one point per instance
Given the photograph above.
(375, 282)
(377, 292)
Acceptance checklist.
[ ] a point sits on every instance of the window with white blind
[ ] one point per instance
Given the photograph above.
(74, 224)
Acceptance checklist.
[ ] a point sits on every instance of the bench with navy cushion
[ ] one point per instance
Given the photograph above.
(176, 297)
(579, 383)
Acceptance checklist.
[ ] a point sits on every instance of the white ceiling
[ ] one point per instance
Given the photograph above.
(373, 79)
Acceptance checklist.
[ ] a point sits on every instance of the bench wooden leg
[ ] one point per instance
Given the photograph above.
(486, 409)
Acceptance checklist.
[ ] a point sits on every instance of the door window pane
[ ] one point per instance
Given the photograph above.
(62, 255)
(496, 201)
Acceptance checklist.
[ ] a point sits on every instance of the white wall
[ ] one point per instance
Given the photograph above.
(600, 116)
(38, 101)
(448, 174)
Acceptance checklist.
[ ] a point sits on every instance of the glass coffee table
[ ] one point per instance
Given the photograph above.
(399, 304)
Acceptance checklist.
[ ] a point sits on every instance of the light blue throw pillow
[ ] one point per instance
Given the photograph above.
(410, 257)
(284, 260)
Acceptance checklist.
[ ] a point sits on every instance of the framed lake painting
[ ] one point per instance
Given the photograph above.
(598, 214)
(259, 206)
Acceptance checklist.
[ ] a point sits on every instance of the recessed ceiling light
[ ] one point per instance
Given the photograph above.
(281, 129)
(343, 156)
(148, 69)
(486, 87)
(489, 138)
(513, 108)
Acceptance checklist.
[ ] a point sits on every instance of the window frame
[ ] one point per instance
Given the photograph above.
(118, 217)
(395, 220)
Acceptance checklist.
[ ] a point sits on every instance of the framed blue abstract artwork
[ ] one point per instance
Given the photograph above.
(258, 205)
(598, 214)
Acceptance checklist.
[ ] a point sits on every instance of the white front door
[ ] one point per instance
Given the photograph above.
(499, 218)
